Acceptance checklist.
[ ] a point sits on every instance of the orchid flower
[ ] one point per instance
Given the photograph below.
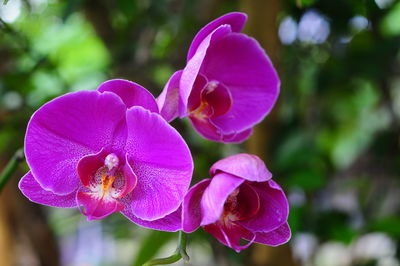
(227, 86)
(108, 151)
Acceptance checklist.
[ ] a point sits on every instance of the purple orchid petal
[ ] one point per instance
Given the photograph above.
(168, 101)
(88, 165)
(208, 99)
(131, 93)
(245, 205)
(194, 100)
(274, 208)
(206, 128)
(35, 193)
(97, 208)
(191, 209)
(242, 66)
(171, 223)
(130, 179)
(218, 97)
(216, 194)
(230, 234)
(274, 238)
(192, 68)
(235, 19)
(162, 162)
(237, 137)
(68, 128)
(246, 166)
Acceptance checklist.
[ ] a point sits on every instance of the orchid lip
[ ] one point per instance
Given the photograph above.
(214, 100)
(106, 179)
(237, 209)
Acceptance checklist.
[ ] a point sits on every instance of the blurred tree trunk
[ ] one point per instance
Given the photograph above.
(263, 25)
(25, 237)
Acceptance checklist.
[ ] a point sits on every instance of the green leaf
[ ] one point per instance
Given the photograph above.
(151, 245)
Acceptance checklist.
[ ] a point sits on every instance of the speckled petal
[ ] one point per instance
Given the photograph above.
(68, 128)
(35, 193)
(161, 161)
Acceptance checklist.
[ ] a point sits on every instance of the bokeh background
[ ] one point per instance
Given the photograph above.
(332, 141)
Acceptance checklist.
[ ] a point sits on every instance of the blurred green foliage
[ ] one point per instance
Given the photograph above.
(336, 129)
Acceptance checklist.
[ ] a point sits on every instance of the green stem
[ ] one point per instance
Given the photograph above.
(10, 168)
(180, 253)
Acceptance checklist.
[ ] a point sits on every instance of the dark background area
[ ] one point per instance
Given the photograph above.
(332, 141)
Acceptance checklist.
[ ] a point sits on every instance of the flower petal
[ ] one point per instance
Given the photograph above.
(130, 178)
(205, 128)
(131, 93)
(274, 208)
(230, 234)
(162, 162)
(237, 137)
(168, 101)
(194, 100)
(242, 66)
(97, 207)
(274, 238)
(88, 165)
(235, 19)
(171, 223)
(243, 165)
(35, 193)
(67, 128)
(246, 205)
(215, 196)
(192, 68)
(191, 209)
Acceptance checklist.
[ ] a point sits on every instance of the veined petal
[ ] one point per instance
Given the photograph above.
(68, 128)
(215, 196)
(235, 20)
(274, 208)
(162, 162)
(168, 101)
(131, 93)
(246, 166)
(242, 66)
(35, 193)
(191, 208)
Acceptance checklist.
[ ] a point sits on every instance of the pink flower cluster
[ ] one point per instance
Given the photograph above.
(112, 149)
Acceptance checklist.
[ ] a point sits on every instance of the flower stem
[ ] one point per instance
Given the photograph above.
(10, 168)
(180, 253)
